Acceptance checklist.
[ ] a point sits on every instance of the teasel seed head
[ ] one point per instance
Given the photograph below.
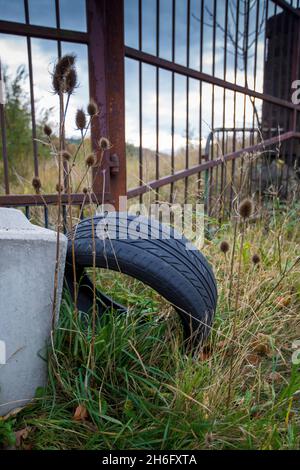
(92, 108)
(47, 130)
(36, 183)
(80, 119)
(245, 209)
(64, 78)
(57, 83)
(224, 247)
(255, 259)
(104, 143)
(64, 64)
(90, 160)
(57, 188)
(70, 80)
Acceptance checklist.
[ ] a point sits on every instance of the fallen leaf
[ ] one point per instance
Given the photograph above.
(253, 359)
(283, 301)
(205, 354)
(21, 435)
(81, 413)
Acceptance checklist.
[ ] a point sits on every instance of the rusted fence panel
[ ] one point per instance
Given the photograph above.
(247, 112)
(242, 26)
(104, 39)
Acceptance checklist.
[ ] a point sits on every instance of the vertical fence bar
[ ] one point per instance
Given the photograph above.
(173, 99)
(265, 131)
(255, 115)
(46, 216)
(57, 17)
(141, 168)
(200, 108)
(288, 49)
(32, 101)
(186, 182)
(3, 134)
(295, 50)
(232, 185)
(223, 167)
(61, 102)
(157, 98)
(246, 14)
(211, 182)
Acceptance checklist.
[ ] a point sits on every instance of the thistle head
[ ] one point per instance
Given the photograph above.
(64, 64)
(90, 160)
(104, 143)
(47, 130)
(59, 188)
(224, 247)
(64, 77)
(255, 259)
(245, 209)
(92, 108)
(36, 183)
(80, 119)
(70, 80)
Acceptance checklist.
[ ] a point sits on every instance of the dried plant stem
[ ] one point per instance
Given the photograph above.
(58, 212)
(237, 293)
(73, 245)
(81, 144)
(232, 263)
(82, 179)
(234, 326)
(94, 309)
(284, 274)
(62, 118)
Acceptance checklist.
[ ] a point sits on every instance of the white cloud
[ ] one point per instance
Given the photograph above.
(14, 53)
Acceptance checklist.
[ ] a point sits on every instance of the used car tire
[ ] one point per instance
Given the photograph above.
(154, 254)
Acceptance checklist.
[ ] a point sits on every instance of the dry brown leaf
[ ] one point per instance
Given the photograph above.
(253, 359)
(81, 413)
(283, 301)
(21, 435)
(206, 353)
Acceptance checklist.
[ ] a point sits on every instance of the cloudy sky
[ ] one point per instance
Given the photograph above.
(13, 51)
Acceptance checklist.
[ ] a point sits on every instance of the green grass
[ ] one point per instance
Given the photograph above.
(144, 392)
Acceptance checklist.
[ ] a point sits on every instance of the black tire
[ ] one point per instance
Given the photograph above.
(180, 275)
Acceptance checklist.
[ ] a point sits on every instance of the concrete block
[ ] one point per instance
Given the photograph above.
(27, 267)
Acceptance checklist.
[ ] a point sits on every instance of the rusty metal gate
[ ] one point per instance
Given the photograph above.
(104, 39)
(248, 55)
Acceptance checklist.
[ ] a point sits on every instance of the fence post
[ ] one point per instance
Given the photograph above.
(106, 69)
